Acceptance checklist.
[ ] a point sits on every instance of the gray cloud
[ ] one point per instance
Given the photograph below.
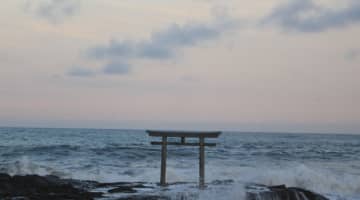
(117, 68)
(161, 45)
(306, 16)
(54, 11)
(81, 72)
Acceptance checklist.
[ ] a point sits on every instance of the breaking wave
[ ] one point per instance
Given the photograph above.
(335, 186)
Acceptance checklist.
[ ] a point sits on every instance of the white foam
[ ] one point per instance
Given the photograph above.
(26, 166)
(345, 186)
(234, 192)
(320, 180)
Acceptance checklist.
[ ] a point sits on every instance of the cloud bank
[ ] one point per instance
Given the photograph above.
(165, 44)
(54, 11)
(306, 16)
(161, 45)
(81, 72)
(116, 68)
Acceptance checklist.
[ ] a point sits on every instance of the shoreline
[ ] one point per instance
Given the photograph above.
(35, 187)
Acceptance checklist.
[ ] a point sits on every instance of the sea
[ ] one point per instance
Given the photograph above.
(328, 164)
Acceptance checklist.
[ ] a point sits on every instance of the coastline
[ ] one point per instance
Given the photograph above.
(35, 187)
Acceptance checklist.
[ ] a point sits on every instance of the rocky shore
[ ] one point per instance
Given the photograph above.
(34, 187)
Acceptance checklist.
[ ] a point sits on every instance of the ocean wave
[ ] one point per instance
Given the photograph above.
(25, 166)
(319, 179)
(326, 182)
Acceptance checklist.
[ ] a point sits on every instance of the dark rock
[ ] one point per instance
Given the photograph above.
(81, 184)
(222, 182)
(277, 187)
(310, 195)
(130, 184)
(144, 197)
(122, 189)
(36, 187)
(4, 177)
(281, 192)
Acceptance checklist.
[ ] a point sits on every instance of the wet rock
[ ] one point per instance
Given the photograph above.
(4, 177)
(222, 182)
(308, 194)
(144, 197)
(36, 187)
(129, 184)
(281, 192)
(122, 189)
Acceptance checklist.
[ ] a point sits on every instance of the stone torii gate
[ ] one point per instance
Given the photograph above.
(183, 134)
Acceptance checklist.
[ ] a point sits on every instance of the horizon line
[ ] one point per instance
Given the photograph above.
(172, 129)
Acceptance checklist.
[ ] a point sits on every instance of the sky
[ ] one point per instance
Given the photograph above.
(274, 65)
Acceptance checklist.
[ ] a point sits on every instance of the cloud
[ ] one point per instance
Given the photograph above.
(117, 68)
(306, 16)
(161, 45)
(81, 72)
(54, 11)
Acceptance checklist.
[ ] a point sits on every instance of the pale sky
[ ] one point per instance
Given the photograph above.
(271, 65)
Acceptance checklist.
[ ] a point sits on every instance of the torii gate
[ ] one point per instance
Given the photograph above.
(183, 134)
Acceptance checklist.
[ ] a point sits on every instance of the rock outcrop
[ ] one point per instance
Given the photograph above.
(34, 187)
(281, 192)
